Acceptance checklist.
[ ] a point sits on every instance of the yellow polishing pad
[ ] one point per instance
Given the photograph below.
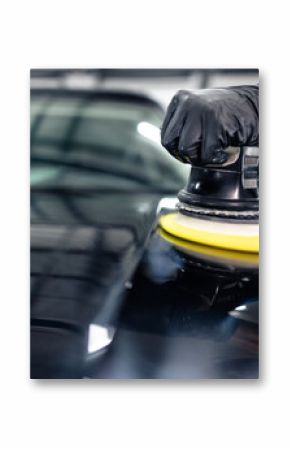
(211, 253)
(232, 236)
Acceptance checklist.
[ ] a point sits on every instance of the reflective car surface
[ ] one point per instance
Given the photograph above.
(111, 295)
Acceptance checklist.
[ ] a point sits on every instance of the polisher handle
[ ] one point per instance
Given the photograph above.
(246, 160)
(234, 186)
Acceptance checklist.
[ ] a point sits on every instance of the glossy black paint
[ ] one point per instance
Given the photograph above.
(177, 320)
(84, 247)
(169, 310)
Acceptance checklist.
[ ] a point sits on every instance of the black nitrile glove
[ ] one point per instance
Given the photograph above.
(200, 124)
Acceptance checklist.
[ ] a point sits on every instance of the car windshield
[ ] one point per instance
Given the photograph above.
(100, 142)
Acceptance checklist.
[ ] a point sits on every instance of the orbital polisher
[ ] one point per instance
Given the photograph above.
(219, 207)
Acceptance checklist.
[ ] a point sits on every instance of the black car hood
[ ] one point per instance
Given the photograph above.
(99, 263)
(84, 248)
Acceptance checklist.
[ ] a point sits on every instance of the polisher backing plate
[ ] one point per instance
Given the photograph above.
(220, 234)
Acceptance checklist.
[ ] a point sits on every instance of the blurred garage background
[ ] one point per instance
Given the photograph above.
(160, 84)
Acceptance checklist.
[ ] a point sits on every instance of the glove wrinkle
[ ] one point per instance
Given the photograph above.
(199, 125)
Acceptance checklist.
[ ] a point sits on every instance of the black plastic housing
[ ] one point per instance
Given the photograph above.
(224, 188)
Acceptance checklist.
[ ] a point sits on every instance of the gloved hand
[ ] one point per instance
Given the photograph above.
(200, 124)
